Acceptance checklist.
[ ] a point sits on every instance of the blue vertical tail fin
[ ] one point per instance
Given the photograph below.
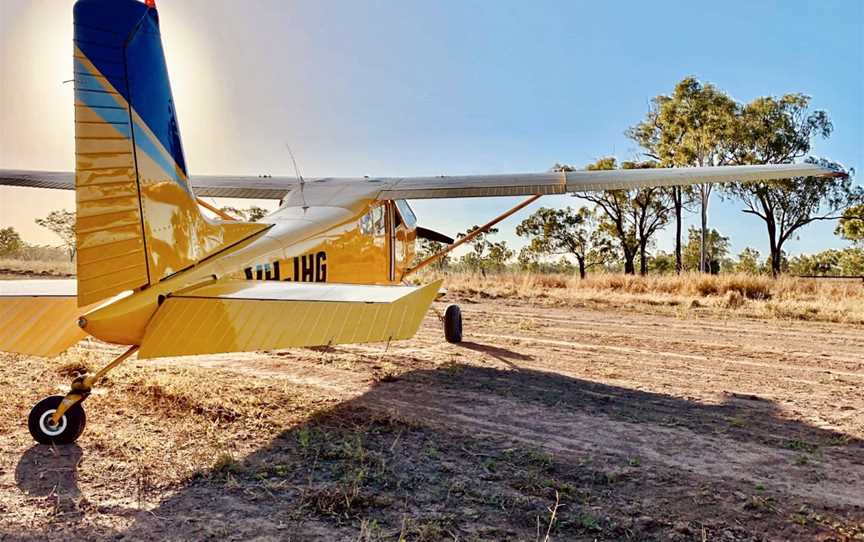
(137, 218)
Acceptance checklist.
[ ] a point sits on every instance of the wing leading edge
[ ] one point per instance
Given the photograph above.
(219, 186)
(590, 181)
(465, 186)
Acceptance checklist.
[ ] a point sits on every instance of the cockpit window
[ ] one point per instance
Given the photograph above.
(378, 219)
(366, 227)
(406, 213)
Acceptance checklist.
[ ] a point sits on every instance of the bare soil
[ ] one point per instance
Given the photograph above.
(639, 425)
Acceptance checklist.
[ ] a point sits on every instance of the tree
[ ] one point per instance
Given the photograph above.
(851, 224)
(651, 213)
(63, 224)
(486, 255)
(631, 217)
(10, 241)
(564, 232)
(529, 260)
(250, 214)
(690, 127)
(662, 263)
(427, 248)
(849, 261)
(716, 249)
(748, 261)
(779, 130)
(822, 263)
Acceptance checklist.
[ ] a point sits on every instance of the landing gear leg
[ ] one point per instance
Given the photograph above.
(61, 420)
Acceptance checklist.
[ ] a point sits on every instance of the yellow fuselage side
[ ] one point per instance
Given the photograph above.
(355, 252)
(358, 245)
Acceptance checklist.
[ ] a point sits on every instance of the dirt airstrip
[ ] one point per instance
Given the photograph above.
(572, 423)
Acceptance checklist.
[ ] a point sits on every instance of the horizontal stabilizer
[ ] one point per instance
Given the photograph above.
(243, 316)
(39, 317)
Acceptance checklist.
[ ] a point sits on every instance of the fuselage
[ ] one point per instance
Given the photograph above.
(362, 242)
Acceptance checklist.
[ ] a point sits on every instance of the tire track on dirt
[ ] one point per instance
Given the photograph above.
(576, 435)
(593, 347)
(699, 325)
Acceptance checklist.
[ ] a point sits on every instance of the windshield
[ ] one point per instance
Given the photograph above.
(406, 212)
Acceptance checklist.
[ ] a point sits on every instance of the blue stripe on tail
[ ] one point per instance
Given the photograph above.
(121, 38)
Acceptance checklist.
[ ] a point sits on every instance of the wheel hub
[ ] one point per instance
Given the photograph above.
(49, 428)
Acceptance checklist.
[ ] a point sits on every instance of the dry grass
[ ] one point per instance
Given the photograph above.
(196, 452)
(58, 268)
(734, 294)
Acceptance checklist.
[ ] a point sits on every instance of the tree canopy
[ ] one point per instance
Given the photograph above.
(62, 223)
(851, 224)
(486, 255)
(716, 249)
(10, 241)
(690, 127)
(249, 214)
(631, 217)
(565, 232)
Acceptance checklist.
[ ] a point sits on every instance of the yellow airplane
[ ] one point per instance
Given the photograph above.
(158, 275)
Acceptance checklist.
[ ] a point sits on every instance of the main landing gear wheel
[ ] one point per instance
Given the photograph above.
(66, 431)
(453, 324)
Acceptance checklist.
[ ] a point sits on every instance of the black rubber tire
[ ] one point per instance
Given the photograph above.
(74, 417)
(453, 324)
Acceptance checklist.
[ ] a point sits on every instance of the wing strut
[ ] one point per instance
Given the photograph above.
(222, 214)
(482, 229)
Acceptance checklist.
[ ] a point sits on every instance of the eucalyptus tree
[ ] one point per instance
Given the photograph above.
(851, 224)
(690, 127)
(780, 130)
(631, 217)
(557, 232)
(10, 241)
(62, 223)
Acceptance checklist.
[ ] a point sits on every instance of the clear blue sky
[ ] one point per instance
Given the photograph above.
(412, 88)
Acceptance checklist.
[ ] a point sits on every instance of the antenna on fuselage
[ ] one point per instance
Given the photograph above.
(298, 175)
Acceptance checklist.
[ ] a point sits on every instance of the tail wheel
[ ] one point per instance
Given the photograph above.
(67, 430)
(453, 324)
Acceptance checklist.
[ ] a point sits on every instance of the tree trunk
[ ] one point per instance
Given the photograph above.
(643, 258)
(677, 197)
(581, 267)
(629, 268)
(704, 191)
(774, 247)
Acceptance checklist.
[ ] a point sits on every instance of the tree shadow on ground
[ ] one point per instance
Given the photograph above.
(476, 453)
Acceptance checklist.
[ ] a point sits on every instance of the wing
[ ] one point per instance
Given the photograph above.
(242, 316)
(219, 186)
(39, 317)
(589, 181)
(513, 184)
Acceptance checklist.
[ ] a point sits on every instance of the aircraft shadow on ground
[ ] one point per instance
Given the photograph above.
(301, 476)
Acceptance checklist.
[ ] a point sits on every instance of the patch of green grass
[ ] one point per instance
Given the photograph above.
(737, 421)
(304, 437)
(802, 446)
(589, 522)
